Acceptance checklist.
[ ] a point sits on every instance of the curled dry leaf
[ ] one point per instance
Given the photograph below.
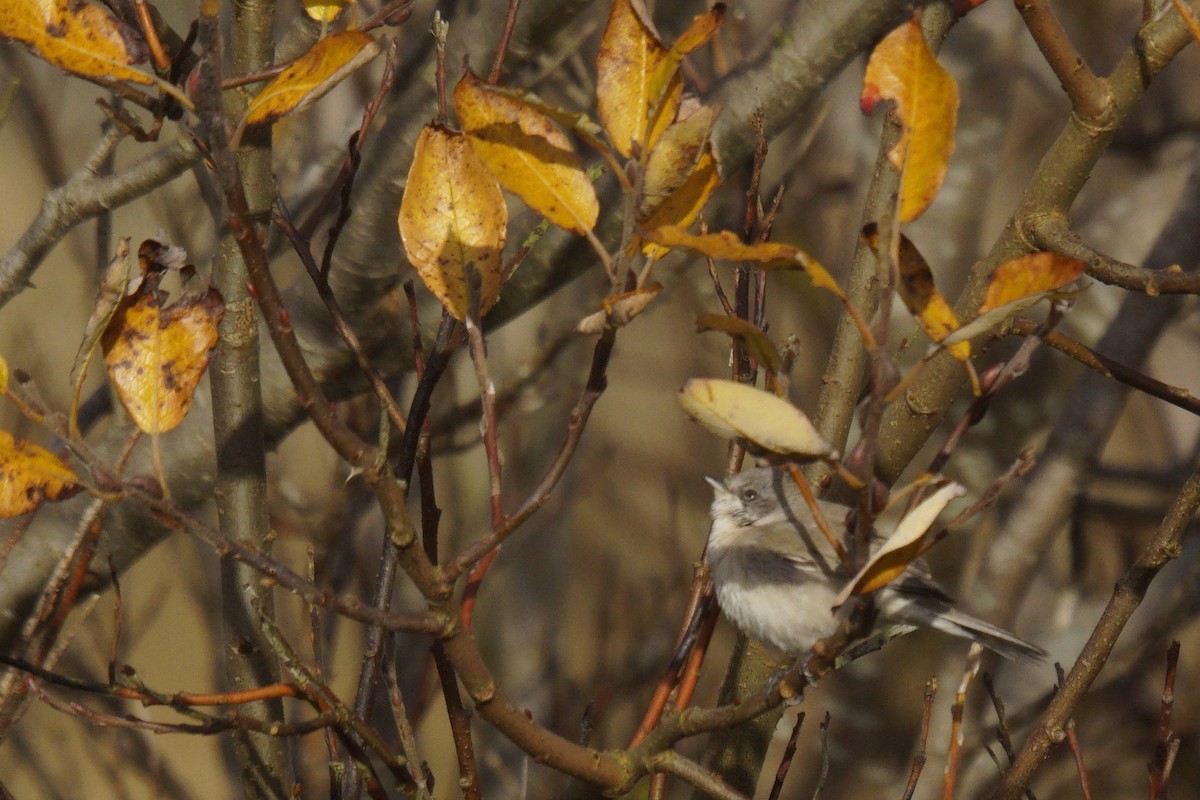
(902, 547)
(79, 38)
(637, 91)
(156, 355)
(311, 76)
(112, 291)
(529, 155)
(736, 410)
(674, 159)
(728, 246)
(904, 70)
(754, 340)
(619, 309)
(31, 475)
(920, 294)
(452, 215)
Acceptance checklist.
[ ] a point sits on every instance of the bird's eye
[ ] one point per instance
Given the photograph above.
(749, 495)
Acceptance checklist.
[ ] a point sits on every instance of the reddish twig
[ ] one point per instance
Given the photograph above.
(920, 758)
(1167, 744)
(785, 761)
(1073, 743)
(510, 23)
(340, 323)
(460, 726)
(596, 384)
(956, 719)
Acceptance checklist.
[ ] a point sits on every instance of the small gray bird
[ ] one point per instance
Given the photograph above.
(776, 576)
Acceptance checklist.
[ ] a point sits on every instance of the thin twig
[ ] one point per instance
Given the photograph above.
(919, 759)
(785, 761)
(1073, 743)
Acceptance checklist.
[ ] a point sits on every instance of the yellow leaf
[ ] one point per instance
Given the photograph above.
(682, 206)
(754, 340)
(619, 309)
(632, 107)
(902, 547)
(31, 475)
(323, 10)
(703, 28)
(453, 215)
(673, 160)
(85, 39)
(311, 76)
(528, 154)
(1034, 274)
(902, 69)
(728, 246)
(156, 356)
(736, 410)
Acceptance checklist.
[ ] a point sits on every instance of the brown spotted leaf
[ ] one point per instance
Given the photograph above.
(31, 475)
(452, 217)
(80, 38)
(311, 76)
(528, 154)
(156, 355)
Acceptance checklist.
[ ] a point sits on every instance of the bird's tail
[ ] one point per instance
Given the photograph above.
(956, 623)
(922, 603)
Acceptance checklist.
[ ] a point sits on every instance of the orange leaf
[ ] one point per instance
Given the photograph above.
(728, 246)
(754, 340)
(736, 410)
(85, 40)
(529, 155)
(1030, 275)
(156, 356)
(453, 215)
(311, 76)
(903, 69)
(31, 475)
(632, 107)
